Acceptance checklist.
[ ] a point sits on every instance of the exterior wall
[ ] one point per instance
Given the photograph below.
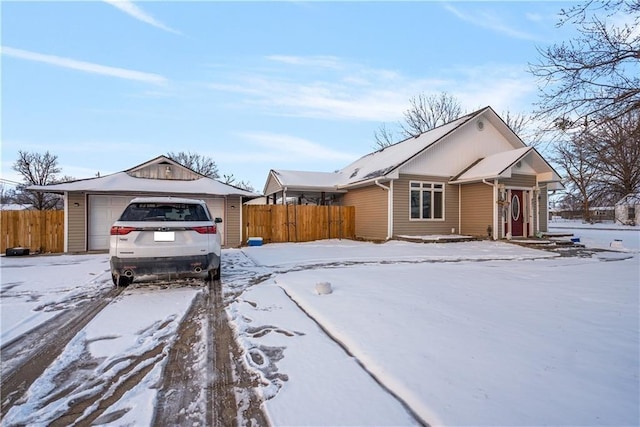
(233, 222)
(476, 209)
(76, 222)
(460, 149)
(402, 222)
(160, 171)
(272, 186)
(372, 211)
(543, 214)
(520, 181)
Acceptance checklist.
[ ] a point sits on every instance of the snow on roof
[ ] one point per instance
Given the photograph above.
(123, 182)
(301, 179)
(373, 165)
(630, 199)
(492, 166)
(381, 162)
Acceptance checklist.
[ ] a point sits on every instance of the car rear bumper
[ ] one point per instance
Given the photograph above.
(193, 265)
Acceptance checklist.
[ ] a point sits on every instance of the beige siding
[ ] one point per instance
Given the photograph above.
(76, 222)
(371, 211)
(233, 235)
(272, 186)
(521, 181)
(477, 209)
(402, 223)
(543, 224)
(160, 171)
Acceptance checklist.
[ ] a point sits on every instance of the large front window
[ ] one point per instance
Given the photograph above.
(427, 200)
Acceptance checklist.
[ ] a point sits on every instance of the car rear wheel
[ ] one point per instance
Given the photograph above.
(121, 280)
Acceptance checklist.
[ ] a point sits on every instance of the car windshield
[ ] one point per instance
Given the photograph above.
(164, 212)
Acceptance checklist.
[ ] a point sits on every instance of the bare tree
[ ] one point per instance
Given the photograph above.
(574, 157)
(596, 73)
(427, 112)
(384, 137)
(231, 180)
(37, 169)
(203, 165)
(615, 153)
(523, 125)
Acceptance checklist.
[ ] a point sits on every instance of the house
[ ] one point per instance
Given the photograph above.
(472, 176)
(92, 205)
(627, 210)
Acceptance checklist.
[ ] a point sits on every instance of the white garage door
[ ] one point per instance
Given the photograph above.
(103, 212)
(216, 207)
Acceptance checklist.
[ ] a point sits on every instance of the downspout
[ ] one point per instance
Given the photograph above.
(284, 196)
(493, 208)
(66, 222)
(389, 206)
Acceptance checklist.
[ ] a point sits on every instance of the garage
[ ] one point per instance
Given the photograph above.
(103, 212)
(93, 205)
(216, 208)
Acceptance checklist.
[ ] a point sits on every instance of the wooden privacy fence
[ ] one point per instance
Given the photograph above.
(40, 231)
(298, 223)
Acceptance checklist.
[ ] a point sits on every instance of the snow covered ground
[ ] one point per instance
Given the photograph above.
(477, 333)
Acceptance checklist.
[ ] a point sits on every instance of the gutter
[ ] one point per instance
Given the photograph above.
(389, 190)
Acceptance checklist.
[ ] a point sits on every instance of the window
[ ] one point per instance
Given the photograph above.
(427, 200)
(163, 212)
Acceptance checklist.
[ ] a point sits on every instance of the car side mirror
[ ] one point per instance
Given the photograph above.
(218, 220)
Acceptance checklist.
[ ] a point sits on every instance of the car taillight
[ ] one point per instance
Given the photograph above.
(209, 229)
(121, 231)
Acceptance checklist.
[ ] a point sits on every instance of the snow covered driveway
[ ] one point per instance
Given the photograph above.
(481, 333)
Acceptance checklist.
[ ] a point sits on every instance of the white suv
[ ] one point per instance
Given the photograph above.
(164, 236)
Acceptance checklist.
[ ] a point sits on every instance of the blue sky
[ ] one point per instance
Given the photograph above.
(256, 86)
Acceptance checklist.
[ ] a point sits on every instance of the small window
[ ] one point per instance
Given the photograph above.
(426, 200)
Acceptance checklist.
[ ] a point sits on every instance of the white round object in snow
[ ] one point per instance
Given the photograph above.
(323, 288)
(616, 244)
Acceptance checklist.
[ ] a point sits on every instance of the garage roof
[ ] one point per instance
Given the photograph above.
(122, 182)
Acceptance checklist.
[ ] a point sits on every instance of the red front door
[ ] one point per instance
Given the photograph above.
(517, 211)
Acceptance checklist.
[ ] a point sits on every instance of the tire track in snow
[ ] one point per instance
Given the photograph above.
(34, 351)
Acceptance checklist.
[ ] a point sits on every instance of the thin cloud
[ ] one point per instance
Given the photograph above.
(331, 62)
(356, 92)
(128, 7)
(490, 22)
(87, 67)
(293, 147)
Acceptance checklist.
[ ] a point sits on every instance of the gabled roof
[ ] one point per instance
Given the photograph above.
(161, 160)
(122, 182)
(500, 164)
(389, 159)
(302, 179)
(386, 163)
(491, 166)
(630, 199)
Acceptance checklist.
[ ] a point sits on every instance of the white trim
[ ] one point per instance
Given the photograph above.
(433, 190)
(390, 214)
(66, 222)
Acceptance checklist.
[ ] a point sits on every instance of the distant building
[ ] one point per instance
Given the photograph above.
(628, 209)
